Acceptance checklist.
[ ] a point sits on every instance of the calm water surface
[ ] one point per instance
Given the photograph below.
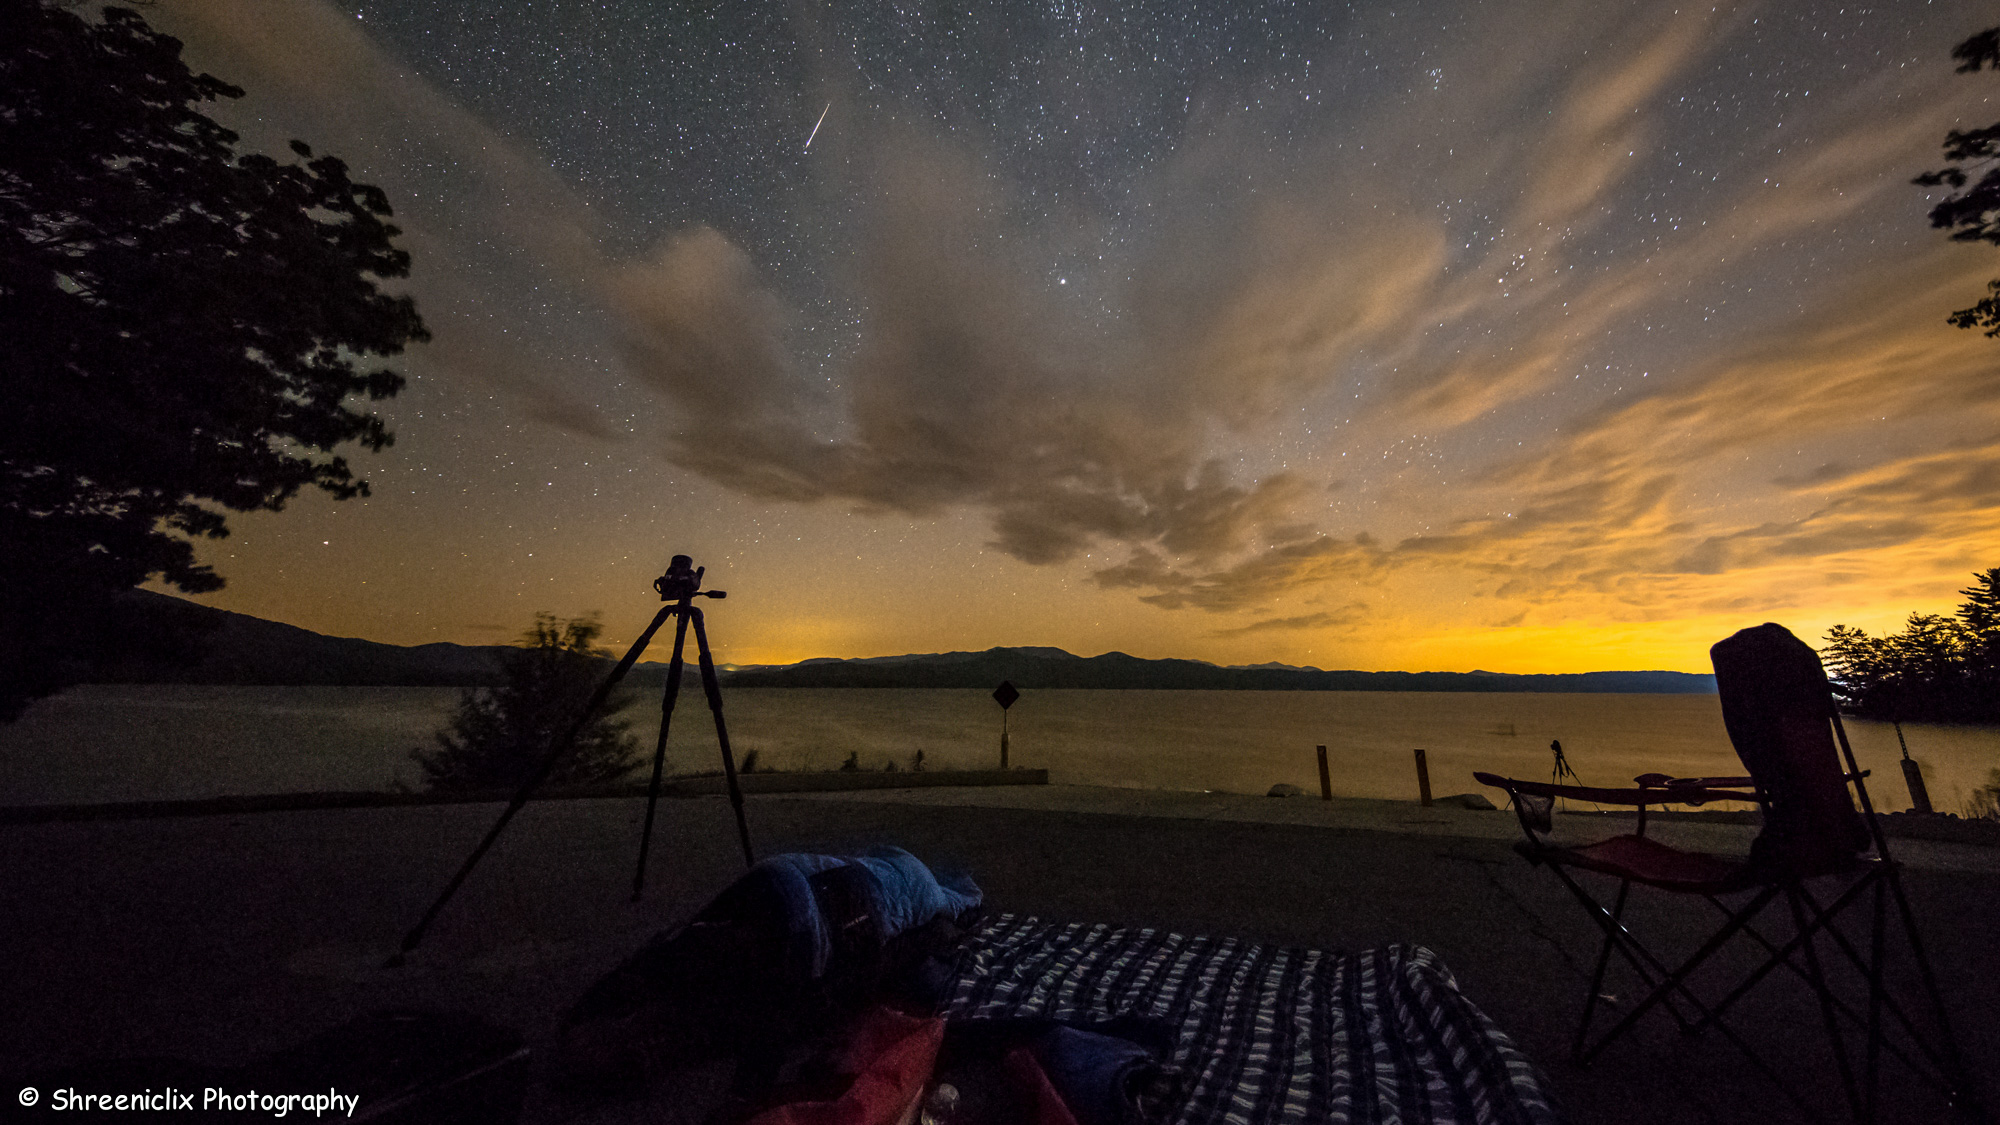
(115, 743)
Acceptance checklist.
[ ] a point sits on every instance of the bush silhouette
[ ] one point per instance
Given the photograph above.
(500, 735)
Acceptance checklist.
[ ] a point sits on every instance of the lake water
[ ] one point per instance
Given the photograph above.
(122, 742)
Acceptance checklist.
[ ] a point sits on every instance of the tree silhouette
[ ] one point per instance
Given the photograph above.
(500, 735)
(1974, 209)
(182, 323)
(1943, 669)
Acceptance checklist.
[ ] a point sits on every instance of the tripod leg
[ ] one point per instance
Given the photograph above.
(667, 701)
(556, 751)
(714, 691)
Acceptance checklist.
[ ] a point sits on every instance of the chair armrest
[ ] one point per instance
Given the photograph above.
(1660, 780)
(1576, 792)
(1673, 793)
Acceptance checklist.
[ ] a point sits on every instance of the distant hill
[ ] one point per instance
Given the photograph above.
(241, 649)
(1053, 668)
(250, 650)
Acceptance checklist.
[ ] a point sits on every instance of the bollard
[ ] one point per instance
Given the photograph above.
(1325, 782)
(1423, 780)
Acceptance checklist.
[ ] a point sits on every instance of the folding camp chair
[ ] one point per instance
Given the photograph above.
(1779, 712)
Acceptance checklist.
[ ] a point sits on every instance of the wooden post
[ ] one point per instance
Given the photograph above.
(1003, 740)
(1423, 780)
(1325, 781)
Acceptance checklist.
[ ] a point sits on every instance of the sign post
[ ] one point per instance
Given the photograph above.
(1004, 695)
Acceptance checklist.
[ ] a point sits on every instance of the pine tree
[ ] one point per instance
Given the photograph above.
(1979, 614)
(500, 735)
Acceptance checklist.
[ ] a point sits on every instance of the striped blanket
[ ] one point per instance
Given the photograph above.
(1268, 1034)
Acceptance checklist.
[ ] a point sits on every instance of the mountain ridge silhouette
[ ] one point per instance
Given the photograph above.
(242, 649)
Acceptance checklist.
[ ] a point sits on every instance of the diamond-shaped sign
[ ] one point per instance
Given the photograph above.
(1005, 694)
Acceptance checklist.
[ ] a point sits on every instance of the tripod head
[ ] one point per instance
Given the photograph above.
(683, 581)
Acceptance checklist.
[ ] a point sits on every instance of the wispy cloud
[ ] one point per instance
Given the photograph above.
(501, 245)
(1350, 616)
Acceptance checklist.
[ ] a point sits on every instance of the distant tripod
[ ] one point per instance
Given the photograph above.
(678, 587)
(1562, 772)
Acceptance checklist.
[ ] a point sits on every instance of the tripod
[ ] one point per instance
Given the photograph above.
(678, 587)
(681, 586)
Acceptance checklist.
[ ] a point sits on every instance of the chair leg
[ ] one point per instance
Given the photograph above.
(1824, 992)
(1665, 983)
(1779, 955)
(1940, 1072)
(1597, 975)
(1823, 918)
(1872, 968)
(1962, 1094)
(1649, 969)
(1676, 981)
(1948, 1067)
(1876, 993)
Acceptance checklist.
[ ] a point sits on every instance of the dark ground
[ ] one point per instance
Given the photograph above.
(224, 937)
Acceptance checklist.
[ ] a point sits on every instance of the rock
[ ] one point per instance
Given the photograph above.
(1466, 801)
(1283, 790)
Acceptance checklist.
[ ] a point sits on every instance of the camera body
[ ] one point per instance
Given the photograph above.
(681, 580)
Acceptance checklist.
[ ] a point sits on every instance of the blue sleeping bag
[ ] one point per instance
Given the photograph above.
(903, 894)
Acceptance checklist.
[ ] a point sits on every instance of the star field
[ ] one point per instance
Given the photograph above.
(1537, 336)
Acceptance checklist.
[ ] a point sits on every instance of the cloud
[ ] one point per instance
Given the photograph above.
(1347, 616)
(1598, 127)
(1258, 580)
(699, 327)
(968, 388)
(1897, 416)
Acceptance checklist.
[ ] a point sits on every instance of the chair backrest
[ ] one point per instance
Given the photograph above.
(1778, 708)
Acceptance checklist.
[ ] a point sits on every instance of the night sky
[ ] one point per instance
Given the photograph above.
(1520, 336)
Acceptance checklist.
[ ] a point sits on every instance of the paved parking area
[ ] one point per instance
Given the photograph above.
(224, 937)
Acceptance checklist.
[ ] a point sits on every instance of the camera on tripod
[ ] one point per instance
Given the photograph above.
(683, 581)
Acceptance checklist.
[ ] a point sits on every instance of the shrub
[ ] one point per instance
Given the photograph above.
(500, 735)
(1984, 803)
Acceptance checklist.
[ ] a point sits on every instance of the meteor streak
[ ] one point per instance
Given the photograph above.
(816, 125)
